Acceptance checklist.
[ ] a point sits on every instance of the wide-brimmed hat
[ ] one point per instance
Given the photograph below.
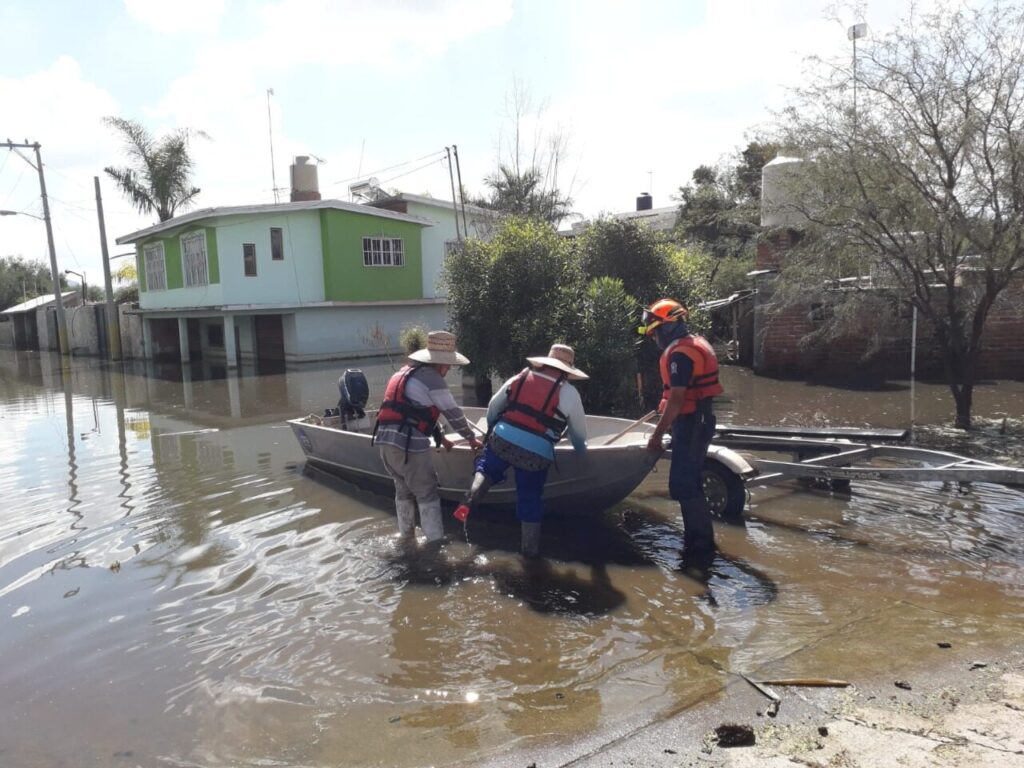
(561, 357)
(440, 350)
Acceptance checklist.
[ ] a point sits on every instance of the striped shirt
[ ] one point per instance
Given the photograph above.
(426, 387)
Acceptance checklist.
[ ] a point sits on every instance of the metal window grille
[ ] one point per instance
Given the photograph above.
(193, 249)
(249, 259)
(156, 271)
(383, 252)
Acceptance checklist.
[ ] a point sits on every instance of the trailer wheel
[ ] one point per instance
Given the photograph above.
(724, 490)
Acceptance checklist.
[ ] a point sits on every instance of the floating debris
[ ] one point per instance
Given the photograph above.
(732, 735)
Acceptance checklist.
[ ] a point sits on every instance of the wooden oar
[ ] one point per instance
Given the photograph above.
(630, 428)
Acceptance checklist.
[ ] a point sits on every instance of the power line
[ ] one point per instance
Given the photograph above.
(390, 167)
(420, 168)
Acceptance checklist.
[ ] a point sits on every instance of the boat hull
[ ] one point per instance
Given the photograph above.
(577, 484)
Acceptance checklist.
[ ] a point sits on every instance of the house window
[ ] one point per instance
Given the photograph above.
(249, 259)
(156, 271)
(193, 251)
(383, 252)
(215, 335)
(276, 244)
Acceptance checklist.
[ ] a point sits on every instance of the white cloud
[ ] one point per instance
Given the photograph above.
(195, 17)
(63, 111)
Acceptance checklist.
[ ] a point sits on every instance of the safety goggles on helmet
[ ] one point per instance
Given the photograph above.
(659, 313)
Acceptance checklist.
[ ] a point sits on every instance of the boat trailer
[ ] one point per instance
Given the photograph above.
(830, 457)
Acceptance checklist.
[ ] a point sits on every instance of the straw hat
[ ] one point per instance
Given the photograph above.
(561, 357)
(440, 350)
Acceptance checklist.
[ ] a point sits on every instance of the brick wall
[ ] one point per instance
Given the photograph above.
(781, 348)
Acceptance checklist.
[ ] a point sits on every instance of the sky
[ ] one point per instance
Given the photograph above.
(644, 92)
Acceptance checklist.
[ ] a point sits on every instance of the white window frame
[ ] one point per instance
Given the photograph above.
(195, 269)
(155, 264)
(383, 252)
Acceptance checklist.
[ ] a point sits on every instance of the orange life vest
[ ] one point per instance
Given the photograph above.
(398, 409)
(533, 405)
(703, 380)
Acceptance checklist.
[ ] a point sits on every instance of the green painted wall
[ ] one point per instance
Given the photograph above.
(172, 258)
(345, 277)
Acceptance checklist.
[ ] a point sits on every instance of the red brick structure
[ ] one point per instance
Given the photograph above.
(781, 335)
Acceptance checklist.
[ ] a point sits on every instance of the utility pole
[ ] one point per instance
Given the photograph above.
(455, 208)
(62, 325)
(113, 321)
(462, 192)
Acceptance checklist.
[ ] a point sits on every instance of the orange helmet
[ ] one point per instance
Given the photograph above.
(661, 312)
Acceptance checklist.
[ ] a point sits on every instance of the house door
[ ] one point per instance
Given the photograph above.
(269, 338)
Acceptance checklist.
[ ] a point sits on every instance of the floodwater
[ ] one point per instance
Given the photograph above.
(175, 589)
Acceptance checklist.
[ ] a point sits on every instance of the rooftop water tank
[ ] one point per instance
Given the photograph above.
(783, 185)
(305, 184)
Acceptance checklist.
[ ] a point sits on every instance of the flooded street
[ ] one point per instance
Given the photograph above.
(176, 590)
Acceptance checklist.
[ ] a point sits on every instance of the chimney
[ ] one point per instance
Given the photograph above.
(305, 185)
(645, 202)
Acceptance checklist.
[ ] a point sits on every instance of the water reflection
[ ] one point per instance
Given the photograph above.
(175, 587)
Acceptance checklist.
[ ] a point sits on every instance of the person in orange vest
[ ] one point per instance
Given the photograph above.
(415, 398)
(689, 377)
(525, 418)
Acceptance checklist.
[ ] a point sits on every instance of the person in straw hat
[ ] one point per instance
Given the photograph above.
(415, 398)
(527, 416)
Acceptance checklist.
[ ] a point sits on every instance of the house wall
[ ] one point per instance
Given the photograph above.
(321, 333)
(345, 277)
(435, 240)
(298, 278)
(177, 295)
(7, 332)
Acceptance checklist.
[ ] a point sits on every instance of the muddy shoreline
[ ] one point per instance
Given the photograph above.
(967, 710)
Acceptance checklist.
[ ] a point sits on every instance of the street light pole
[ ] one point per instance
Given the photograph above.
(853, 33)
(62, 324)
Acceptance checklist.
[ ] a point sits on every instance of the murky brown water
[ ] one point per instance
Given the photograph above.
(175, 590)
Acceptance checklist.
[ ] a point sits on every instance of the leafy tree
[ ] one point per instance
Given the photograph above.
(605, 342)
(720, 208)
(923, 186)
(628, 252)
(158, 177)
(507, 296)
(21, 280)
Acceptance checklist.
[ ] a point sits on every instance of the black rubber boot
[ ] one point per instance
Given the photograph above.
(531, 539)
(698, 532)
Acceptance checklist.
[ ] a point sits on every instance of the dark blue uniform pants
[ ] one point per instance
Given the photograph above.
(529, 484)
(691, 438)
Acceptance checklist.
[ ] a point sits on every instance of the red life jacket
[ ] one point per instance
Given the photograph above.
(533, 405)
(398, 409)
(704, 379)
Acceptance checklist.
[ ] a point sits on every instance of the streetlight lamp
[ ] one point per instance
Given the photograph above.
(21, 213)
(85, 297)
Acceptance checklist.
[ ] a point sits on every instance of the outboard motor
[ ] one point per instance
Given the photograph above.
(355, 392)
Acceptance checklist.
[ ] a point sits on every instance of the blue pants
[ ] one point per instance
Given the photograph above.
(691, 437)
(529, 485)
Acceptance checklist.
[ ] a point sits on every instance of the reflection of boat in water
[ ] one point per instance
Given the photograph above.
(577, 484)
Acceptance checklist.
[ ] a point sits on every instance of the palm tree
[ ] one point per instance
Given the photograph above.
(526, 193)
(158, 177)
